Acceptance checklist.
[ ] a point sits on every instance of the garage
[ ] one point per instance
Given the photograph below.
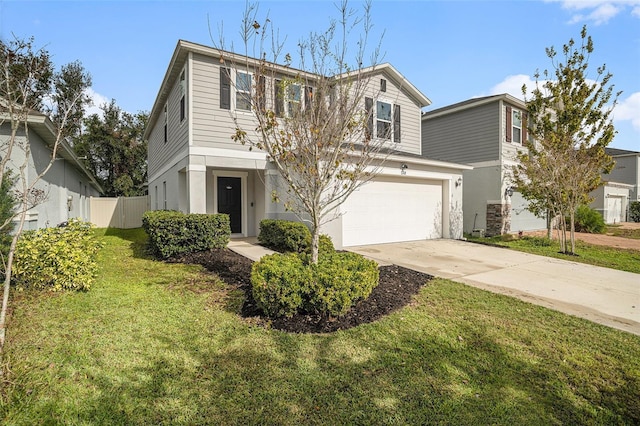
(392, 209)
(615, 212)
(521, 218)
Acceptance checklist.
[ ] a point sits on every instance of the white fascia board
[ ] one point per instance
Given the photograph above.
(429, 162)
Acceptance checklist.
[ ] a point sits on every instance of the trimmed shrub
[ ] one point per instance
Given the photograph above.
(279, 283)
(589, 220)
(289, 236)
(284, 235)
(172, 233)
(284, 284)
(57, 258)
(634, 211)
(340, 280)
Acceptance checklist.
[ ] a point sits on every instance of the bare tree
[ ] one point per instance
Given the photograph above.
(27, 82)
(314, 121)
(570, 124)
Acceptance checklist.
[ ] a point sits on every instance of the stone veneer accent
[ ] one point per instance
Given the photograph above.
(498, 219)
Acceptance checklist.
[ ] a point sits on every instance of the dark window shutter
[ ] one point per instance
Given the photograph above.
(368, 106)
(225, 88)
(278, 98)
(261, 93)
(183, 108)
(525, 132)
(396, 123)
(508, 129)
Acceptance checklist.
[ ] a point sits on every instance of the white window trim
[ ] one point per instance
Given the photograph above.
(236, 91)
(515, 111)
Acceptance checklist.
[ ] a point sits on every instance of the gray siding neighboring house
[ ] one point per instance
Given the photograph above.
(486, 133)
(195, 166)
(626, 170)
(67, 183)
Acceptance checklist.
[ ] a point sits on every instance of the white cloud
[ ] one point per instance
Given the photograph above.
(97, 100)
(629, 110)
(598, 11)
(512, 85)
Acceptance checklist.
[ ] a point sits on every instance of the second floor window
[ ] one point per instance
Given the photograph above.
(384, 120)
(243, 91)
(183, 91)
(516, 127)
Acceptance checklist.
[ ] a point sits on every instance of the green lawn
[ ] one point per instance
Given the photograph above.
(608, 257)
(156, 343)
(617, 231)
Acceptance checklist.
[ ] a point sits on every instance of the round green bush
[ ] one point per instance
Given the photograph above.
(284, 284)
(589, 220)
(340, 280)
(279, 282)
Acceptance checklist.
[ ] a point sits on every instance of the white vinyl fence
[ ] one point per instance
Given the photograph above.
(121, 212)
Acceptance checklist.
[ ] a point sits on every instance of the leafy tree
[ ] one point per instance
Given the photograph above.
(115, 150)
(317, 129)
(27, 81)
(570, 124)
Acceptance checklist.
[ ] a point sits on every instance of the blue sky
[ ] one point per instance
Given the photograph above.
(450, 50)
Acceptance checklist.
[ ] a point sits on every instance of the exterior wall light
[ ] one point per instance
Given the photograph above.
(508, 191)
(458, 182)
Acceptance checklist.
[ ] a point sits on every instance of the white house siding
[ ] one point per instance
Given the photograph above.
(466, 136)
(521, 218)
(611, 200)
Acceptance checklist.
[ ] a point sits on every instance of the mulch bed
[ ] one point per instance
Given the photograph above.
(396, 289)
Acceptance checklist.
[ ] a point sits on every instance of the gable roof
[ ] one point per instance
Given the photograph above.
(45, 128)
(184, 48)
(615, 152)
(472, 103)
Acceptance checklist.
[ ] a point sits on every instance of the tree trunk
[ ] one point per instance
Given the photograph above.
(315, 244)
(7, 283)
(572, 217)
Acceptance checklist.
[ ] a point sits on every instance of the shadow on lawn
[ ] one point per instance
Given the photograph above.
(137, 238)
(374, 376)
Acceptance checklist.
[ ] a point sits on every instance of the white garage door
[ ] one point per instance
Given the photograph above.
(614, 210)
(521, 218)
(387, 210)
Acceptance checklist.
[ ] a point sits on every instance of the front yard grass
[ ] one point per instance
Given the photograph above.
(608, 257)
(159, 343)
(618, 231)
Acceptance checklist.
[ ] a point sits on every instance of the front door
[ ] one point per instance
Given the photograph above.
(230, 201)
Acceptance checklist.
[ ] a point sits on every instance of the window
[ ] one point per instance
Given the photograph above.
(164, 195)
(384, 122)
(166, 135)
(183, 94)
(383, 85)
(516, 127)
(293, 98)
(243, 91)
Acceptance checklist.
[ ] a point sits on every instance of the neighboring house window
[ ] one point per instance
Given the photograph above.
(183, 94)
(384, 122)
(243, 91)
(516, 125)
(164, 195)
(166, 130)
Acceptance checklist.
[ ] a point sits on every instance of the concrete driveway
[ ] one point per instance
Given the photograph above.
(602, 295)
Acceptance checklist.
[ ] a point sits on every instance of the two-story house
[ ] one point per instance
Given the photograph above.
(67, 185)
(486, 133)
(195, 166)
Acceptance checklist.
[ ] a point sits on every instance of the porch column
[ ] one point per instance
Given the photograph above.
(197, 188)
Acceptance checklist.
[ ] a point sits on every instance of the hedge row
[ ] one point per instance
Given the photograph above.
(172, 233)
